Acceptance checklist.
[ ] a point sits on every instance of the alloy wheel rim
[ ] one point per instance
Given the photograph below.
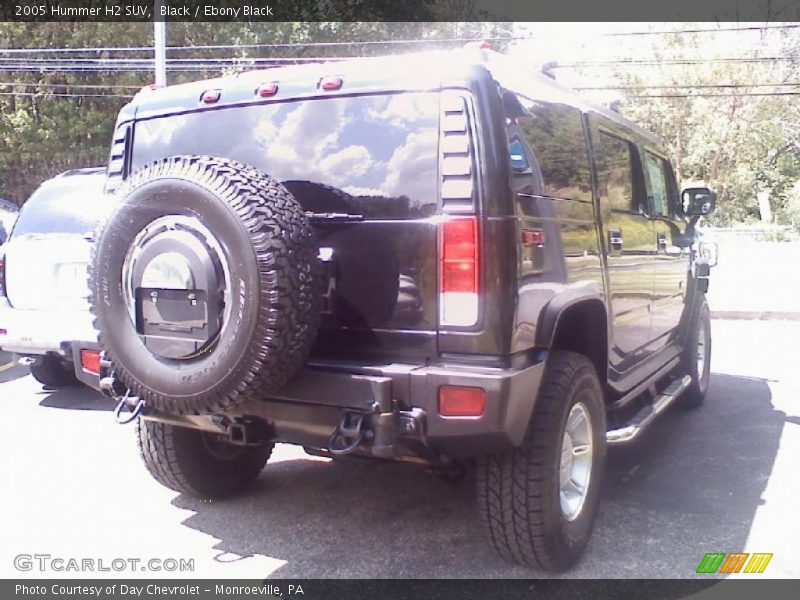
(575, 466)
(701, 352)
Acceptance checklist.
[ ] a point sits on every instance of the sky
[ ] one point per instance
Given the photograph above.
(580, 42)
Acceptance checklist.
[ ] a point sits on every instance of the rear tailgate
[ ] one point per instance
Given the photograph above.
(366, 170)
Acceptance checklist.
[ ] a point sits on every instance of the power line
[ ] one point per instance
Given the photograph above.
(150, 61)
(68, 85)
(388, 42)
(111, 65)
(58, 95)
(686, 86)
(104, 69)
(711, 95)
(706, 30)
(675, 61)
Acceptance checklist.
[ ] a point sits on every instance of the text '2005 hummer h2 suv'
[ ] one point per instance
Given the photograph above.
(431, 258)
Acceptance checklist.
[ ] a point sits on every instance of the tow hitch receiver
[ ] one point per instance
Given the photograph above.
(348, 434)
(242, 431)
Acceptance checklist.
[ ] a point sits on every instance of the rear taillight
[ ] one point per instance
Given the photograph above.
(459, 276)
(2, 276)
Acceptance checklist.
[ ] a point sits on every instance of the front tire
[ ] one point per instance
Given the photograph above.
(52, 372)
(696, 360)
(198, 463)
(538, 502)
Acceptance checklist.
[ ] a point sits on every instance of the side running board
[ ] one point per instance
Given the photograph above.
(631, 430)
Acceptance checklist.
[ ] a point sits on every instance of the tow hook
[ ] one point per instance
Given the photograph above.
(128, 408)
(348, 434)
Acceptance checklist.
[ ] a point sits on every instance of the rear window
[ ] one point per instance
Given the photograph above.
(73, 204)
(614, 171)
(373, 155)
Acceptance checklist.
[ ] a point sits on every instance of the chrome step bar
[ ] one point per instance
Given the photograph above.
(644, 417)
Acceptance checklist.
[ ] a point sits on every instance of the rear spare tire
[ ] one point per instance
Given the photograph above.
(203, 285)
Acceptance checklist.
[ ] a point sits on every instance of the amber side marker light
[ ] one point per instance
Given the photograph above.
(210, 96)
(331, 82)
(90, 361)
(267, 89)
(457, 401)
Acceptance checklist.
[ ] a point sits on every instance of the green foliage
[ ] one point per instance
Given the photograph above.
(739, 144)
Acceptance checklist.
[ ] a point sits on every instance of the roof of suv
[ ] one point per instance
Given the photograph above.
(404, 72)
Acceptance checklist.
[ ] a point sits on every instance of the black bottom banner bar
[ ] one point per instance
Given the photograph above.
(400, 589)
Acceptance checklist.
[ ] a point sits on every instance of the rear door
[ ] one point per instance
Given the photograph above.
(628, 235)
(671, 260)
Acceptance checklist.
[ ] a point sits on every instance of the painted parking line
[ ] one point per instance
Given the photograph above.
(7, 366)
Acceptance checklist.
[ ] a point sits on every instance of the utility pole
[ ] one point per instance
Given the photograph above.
(160, 43)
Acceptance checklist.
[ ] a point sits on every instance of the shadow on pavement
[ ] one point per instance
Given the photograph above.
(76, 397)
(691, 485)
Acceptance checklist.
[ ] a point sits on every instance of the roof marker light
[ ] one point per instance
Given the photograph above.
(330, 82)
(478, 45)
(150, 88)
(210, 96)
(265, 90)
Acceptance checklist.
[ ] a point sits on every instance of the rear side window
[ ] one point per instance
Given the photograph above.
(74, 204)
(661, 184)
(614, 171)
(555, 133)
(372, 155)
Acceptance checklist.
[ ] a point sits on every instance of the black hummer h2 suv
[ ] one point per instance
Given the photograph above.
(439, 258)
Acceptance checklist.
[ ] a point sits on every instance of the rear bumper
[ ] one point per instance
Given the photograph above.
(37, 332)
(399, 404)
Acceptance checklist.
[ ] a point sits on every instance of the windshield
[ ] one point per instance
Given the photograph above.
(74, 204)
(372, 155)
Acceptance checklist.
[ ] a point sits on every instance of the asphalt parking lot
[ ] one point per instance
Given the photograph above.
(723, 478)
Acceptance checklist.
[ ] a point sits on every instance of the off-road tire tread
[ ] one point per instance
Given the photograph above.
(159, 449)
(511, 487)
(285, 250)
(693, 396)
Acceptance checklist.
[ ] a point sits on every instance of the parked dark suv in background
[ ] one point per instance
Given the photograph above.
(431, 258)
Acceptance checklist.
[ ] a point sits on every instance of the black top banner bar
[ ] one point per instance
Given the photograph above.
(756, 11)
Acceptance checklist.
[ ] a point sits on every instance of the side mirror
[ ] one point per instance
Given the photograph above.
(698, 202)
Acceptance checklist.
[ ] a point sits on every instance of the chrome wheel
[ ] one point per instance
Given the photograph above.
(575, 467)
(701, 351)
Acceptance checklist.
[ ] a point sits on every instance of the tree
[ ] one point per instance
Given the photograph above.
(737, 142)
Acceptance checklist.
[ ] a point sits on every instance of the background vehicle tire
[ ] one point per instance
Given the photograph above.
(262, 251)
(696, 361)
(53, 372)
(196, 462)
(527, 501)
